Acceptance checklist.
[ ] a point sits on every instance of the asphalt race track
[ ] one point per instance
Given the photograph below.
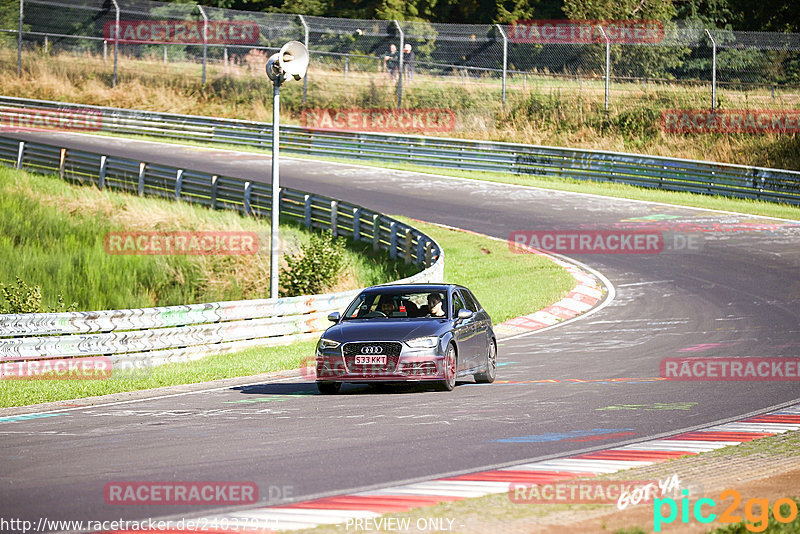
(738, 295)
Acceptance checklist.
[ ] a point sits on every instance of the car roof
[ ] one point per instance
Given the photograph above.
(413, 287)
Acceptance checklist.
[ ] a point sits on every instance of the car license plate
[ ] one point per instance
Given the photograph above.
(370, 360)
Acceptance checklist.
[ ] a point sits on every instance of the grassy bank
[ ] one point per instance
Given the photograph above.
(52, 235)
(540, 110)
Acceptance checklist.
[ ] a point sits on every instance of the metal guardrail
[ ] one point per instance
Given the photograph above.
(154, 336)
(665, 173)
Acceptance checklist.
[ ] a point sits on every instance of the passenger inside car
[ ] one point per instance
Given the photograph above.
(435, 305)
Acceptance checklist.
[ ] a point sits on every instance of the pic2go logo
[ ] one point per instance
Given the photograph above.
(759, 520)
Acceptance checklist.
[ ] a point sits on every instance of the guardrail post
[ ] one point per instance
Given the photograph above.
(376, 231)
(178, 184)
(505, 60)
(334, 218)
(420, 249)
(407, 246)
(140, 189)
(214, 192)
(400, 66)
(20, 152)
(393, 240)
(116, 40)
(246, 199)
(61, 161)
(307, 211)
(713, 71)
(356, 225)
(305, 34)
(101, 178)
(428, 254)
(205, 40)
(608, 65)
(19, 38)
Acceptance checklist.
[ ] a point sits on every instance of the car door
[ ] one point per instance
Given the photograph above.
(465, 333)
(482, 324)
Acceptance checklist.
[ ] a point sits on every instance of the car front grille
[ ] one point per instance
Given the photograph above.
(390, 349)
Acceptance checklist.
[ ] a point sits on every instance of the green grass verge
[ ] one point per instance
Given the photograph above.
(506, 284)
(243, 363)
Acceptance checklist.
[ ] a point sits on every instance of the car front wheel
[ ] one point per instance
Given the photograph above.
(450, 366)
(487, 377)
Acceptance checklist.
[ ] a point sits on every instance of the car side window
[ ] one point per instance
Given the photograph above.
(458, 303)
(469, 300)
(475, 299)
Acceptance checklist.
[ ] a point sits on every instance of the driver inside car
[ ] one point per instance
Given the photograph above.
(386, 306)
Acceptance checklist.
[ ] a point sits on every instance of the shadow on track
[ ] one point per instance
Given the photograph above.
(309, 388)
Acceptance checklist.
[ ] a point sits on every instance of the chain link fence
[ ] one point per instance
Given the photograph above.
(348, 53)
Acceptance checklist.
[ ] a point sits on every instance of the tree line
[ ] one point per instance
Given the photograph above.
(746, 15)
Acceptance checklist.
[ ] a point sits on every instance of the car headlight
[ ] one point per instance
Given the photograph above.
(423, 342)
(328, 344)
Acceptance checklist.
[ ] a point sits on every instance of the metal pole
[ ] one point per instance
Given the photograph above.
(713, 71)
(274, 257)
(305, 34)
(608, 65)
(116, 40)
(400, 66)
(205, 40)
(19, 39)
(505, 60)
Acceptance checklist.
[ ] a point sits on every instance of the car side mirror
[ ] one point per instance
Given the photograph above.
(464, 314)
(334, 317)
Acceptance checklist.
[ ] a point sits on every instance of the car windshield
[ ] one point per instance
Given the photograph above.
(397, 305)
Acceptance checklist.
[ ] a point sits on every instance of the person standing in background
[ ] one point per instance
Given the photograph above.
(391, 61)
(408, 61)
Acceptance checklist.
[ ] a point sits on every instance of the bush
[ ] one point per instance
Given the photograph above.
(25, 299)
(315, 268)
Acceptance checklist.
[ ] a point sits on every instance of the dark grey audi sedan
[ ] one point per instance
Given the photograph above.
(408, 333)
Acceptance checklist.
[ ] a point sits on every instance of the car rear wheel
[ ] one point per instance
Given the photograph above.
(329, 388)
(450, 366)
(491, 366)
